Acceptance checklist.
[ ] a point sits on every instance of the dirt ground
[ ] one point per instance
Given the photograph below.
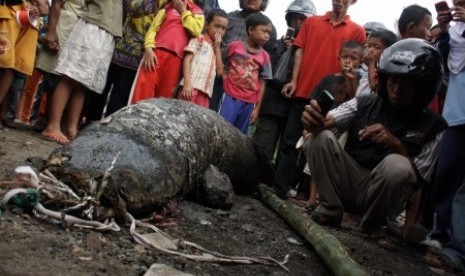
(29, 246)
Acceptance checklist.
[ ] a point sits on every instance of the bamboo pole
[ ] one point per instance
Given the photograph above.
(325, 244)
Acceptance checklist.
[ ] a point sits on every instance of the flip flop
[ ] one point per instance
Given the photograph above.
(60, 139)
(440, 261)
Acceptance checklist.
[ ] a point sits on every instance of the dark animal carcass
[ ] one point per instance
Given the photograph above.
(165, 148)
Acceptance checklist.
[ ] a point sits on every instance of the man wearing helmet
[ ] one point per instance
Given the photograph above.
(392, 144)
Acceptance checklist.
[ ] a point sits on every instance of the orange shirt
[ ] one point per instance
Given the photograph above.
(321, 43)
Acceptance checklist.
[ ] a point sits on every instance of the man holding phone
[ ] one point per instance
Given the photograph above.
(392, 140)
(317, 49)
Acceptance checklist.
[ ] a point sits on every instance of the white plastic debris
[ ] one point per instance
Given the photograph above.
(26, 174)
(205, 222)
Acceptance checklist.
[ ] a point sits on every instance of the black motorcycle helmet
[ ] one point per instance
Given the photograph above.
(303, 7)
(416, 60)
(262, 7)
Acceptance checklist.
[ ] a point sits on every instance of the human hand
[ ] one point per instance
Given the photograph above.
(443, 18)
(187, 91)
(288, 89)
(180, 5)
(149, 60)
(51, 40)
(380, 135)
(34, 12)
(287, 41)
(369, 57)
(347, 70)
(217, 40)
(312, 119)
(458, 14)
(254, 115)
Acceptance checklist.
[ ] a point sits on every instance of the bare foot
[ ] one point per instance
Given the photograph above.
(58, 137)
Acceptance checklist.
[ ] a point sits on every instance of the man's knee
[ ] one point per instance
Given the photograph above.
(397, 169)
(321, 140)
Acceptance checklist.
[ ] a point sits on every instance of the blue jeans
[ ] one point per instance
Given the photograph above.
(455, 249)
(449, 177)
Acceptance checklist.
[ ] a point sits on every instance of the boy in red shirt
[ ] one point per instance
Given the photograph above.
(247, 69)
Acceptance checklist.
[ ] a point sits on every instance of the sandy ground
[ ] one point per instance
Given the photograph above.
(30, 246)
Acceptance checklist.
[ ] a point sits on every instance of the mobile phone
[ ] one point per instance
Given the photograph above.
(290, 32)
(325, 101)
(441, 6)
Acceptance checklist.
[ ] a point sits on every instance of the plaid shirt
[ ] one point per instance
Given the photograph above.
(203, 64)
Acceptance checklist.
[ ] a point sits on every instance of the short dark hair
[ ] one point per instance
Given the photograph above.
(256, 19)
(262, 6)
(387, 37)
(353, 45)
(215, 12)
(412, 13)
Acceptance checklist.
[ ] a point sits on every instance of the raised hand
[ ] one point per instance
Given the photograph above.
(312, 119)
(458, 13)
(380, 135)
(180, 5)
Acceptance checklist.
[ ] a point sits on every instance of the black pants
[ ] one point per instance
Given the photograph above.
(119, 82)
(268, 132)
(288, 154)
(217, 95)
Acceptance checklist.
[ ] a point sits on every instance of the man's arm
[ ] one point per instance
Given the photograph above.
(256, 110)
(289, 89)
(425, 160)
(51, 38)
(186, 69)
(218, 57)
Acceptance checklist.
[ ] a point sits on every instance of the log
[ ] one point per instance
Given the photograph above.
(325, 244)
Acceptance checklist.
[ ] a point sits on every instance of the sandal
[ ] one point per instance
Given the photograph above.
(59, 138)
(311, 207)
(440, 261)
(326, 220)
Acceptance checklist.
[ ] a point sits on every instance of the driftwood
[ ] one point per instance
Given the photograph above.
(325, 244)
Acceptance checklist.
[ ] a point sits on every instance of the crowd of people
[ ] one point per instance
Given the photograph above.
(391, 142)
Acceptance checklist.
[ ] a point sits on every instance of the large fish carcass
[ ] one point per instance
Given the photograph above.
(164, 148)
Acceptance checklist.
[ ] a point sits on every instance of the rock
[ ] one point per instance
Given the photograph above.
(159, 240)
(164, 270)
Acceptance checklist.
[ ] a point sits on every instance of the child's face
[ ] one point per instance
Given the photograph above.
(422, 29)
(350, 58)
(218, 26)
(375, 47)
(260, 34)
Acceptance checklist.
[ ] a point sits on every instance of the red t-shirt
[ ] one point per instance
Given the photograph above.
(172, 36)
(321, 43)
(244, 70)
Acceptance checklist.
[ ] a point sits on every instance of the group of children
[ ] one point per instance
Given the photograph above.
(182, 59)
